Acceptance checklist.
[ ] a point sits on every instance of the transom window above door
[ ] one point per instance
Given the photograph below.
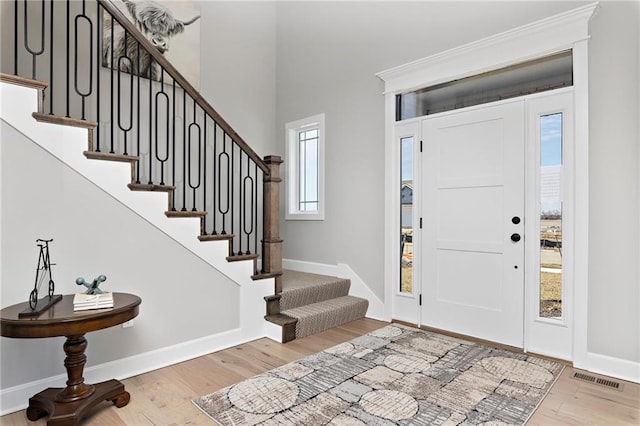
(539, 75)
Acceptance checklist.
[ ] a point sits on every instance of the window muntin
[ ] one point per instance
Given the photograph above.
(305, 169)
(308, 170)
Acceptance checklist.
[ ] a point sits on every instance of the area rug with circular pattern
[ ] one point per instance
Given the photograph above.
(396, 375)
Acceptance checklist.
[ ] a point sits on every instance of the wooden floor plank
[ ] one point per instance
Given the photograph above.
(163, 396)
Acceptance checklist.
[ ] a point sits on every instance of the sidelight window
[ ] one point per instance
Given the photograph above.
(406, 215)
(551, 216)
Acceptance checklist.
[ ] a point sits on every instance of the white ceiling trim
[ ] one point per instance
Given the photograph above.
(534, 40)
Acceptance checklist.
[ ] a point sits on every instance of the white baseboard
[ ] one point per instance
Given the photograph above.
(613, 367)
(358, 287)
(16, 398)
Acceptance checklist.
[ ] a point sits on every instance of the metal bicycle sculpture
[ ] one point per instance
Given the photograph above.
(42, 270)
(44, 264)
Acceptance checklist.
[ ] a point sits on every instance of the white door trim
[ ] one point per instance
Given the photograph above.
(549, 336)
(568, 30)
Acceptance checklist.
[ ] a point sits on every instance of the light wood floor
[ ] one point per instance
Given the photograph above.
(163, 397)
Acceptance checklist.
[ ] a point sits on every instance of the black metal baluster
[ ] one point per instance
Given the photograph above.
(111, 85)
(51, 80)
(68, 40)
(116, 101)
(161, 94)
(83, 94)
(150, 128)
(213, 175)
(240, 204)
(194, 125)
(184, 151)
(204, 173)
(223, 156)
(248, 194)
(173, 146)
(34, 53)
(15, 36)
(138, 111)
(124, 62)
(255, 203)
(231, 191)
(100, 50)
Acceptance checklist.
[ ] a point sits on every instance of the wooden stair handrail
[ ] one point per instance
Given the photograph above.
(182, 81)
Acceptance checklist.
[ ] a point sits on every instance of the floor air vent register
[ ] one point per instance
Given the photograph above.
(597, 380)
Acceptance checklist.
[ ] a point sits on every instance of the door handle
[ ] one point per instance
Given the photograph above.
(515, 237)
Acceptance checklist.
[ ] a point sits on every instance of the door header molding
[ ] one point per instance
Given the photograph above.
(540, 38)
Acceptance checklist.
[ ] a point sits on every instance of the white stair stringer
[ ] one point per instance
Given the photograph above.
(66, 143)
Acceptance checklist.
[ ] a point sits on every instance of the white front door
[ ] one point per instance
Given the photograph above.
(472, 204)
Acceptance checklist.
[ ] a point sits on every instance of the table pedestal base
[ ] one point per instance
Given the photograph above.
(70, 413)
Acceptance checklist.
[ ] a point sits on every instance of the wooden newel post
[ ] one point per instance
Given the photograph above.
(271, 242)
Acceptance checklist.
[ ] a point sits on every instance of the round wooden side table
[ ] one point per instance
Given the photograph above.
(67, 406)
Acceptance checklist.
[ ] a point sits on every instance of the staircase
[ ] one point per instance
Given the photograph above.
(175, 143)
(311, 303)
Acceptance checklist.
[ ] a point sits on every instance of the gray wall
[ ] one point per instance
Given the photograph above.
(328, 54)
(239, 68)
(183, 298)
(614, 321)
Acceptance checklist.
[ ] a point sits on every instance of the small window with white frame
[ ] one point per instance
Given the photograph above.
(305, 168)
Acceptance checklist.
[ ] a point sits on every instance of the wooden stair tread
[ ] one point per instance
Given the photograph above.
(216, 237)
(150, 187)
(107, 156)
(239, 257)
(265, 275)
(281, 319)
(185, 213)
(23, 81)
(65, 121)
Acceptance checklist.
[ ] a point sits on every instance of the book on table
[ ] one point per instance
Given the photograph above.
(83, 302)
